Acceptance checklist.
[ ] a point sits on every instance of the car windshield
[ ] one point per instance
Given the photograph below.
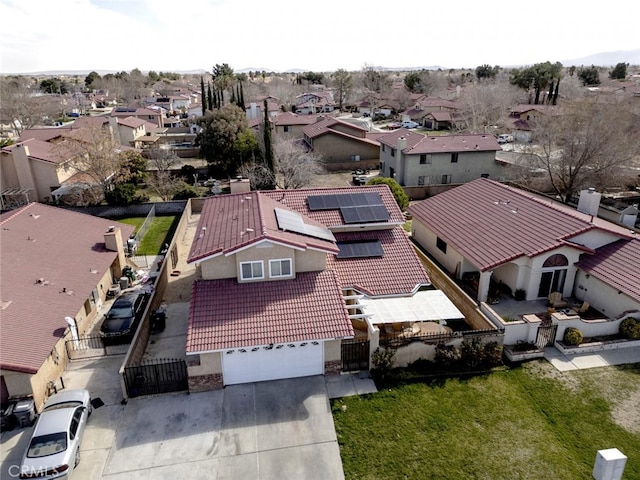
(121, 312)
(45, 445)
(56, 406)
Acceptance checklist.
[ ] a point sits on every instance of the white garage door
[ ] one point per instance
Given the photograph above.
(281, 361)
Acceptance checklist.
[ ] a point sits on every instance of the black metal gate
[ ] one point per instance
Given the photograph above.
(156, 376)
(355, 355)
(546, 335)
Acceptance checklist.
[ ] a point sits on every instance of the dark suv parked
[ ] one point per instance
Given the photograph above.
(123, 318)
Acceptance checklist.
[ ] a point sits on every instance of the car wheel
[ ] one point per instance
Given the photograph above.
(77, 457)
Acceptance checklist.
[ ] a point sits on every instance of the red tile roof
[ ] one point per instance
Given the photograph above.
(616, 264)
(297, 200)
(418, 143)
(290, 118)
(225, 314)
(398, 271)
(490, 223)
(43, 134)
(326, 125)
(231, 222)
(40, 150)
(65, 249)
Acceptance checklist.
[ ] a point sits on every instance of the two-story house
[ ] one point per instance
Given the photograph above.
(413, 159)
(288, 276)
(342, 143)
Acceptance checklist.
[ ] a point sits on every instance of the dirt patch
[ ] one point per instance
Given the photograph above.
(619, 386)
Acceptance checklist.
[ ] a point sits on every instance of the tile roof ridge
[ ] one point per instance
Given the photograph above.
(17, 212)
(261, 214)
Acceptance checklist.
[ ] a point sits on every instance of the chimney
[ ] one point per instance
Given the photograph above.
(401, 145)
(113, 242)
(114, 129)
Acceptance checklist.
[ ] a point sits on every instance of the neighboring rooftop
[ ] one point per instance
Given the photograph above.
(52, 259)
(480, 220)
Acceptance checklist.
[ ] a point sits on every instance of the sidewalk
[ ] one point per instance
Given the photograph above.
(565, 363)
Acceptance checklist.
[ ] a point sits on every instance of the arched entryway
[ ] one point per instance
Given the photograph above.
(553, 275)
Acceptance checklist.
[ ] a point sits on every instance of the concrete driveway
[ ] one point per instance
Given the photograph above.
(280, 429)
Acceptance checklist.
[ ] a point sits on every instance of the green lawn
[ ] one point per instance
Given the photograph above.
(159, 233)
(523, 423)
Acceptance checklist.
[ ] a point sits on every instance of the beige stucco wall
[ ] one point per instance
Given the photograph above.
(603, 297)
(218, 267)
(209, 363)
(340, 149)
(452, 260)
(229, 267)
(332, 350)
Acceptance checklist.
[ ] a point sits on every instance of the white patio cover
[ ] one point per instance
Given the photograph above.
(424, 306)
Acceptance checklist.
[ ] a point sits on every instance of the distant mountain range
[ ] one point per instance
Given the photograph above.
(603, 59)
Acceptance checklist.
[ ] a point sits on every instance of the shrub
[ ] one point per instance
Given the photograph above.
(122, 194)
(472, 352)
(492, 353)
(630, 328)
(398, 192)
(382, 361)
(572, 336)
(446, 355)
(185, 191)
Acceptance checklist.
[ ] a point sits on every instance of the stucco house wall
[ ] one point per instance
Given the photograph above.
(335, 148)
(469, 166)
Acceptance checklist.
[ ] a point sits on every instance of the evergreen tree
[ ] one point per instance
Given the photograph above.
(203, 96)
(268, 145)
(242, 95)
(233, 96)
(210, 97)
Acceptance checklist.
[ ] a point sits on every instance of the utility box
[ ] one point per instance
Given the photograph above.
(609, 465)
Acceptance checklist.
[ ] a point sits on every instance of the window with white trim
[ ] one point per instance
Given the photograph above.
(280, 268)
(251, 270)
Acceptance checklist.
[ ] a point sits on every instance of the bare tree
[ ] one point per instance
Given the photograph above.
(587, 146)
(22, 105)
(295, 167)
(161, 180)
(486, 104)
(94, 152)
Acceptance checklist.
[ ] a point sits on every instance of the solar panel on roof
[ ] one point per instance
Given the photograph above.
(364, 214)
(360, 249)
(323, 202)
(293, 222)
(335, 201)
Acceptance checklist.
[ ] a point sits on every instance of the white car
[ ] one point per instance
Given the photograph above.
(505, 138)
(410, 125)
(54, 448)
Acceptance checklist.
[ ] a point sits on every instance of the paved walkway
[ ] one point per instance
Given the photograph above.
(565, 363)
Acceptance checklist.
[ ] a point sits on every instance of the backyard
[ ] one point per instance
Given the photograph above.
(516, 423)
(160, 232)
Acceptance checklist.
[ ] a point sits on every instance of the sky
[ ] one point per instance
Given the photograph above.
(322, 35)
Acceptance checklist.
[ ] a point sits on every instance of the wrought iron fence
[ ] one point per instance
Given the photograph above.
(156, 376)
(400, 339)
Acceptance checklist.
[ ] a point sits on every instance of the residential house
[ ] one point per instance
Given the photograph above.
(341, 144)
(291, 124)
(58, 266)
(36, 166)
(287, 277)
(424, 106)
(494, 234)
(147, 114)
(413, 159)
(522, 117)
(320, 101)
(255, 109)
